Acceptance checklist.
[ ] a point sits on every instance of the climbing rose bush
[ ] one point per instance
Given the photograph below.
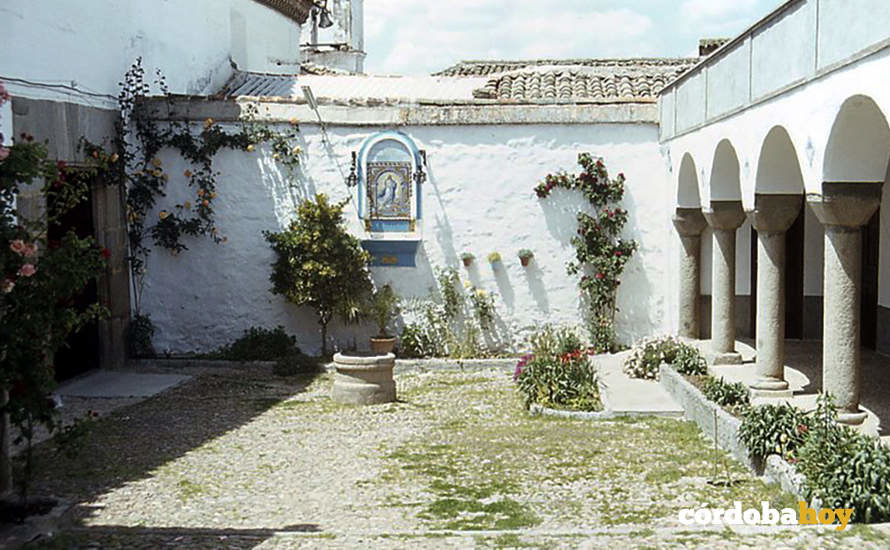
(600, 252)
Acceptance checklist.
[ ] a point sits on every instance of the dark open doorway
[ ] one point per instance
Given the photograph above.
(81, 352)
(871, 246)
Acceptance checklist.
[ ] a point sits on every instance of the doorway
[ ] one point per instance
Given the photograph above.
(81, 350)
(871, 246)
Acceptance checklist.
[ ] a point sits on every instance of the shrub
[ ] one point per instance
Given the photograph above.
(564, 381)
(383, 307)
(296, 363)
(646, 357)
(259, 344)
(139, 335)
(733, 395)
(773, 429)
(689, 361)
(558, 373)
(320, 265)
(844, 468)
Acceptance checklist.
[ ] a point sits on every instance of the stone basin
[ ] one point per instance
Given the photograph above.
(364, 379)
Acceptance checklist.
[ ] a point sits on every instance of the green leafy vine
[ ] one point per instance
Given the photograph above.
(600, 252)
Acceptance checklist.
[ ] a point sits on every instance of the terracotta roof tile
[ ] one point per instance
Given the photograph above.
(597, 80)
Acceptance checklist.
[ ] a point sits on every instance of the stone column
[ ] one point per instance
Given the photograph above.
(843, 209)
(724, 217)
(771, 217)
(690, 223)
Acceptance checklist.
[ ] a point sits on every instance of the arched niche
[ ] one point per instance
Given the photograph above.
(389, 172)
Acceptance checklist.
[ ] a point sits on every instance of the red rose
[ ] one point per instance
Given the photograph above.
(106, 253)
(600, 275)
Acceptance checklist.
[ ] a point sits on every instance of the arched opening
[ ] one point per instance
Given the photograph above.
(687, 187)
(858, 151)
(725, 185)
(778, 173)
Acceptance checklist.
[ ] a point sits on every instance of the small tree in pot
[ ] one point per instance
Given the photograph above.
(383, 308)
(320, 265)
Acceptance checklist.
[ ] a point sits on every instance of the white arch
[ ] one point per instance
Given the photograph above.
(724, 184)
(778, 166)
(688, 195)
(858, 148)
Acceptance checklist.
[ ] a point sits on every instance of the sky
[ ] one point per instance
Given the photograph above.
(423, 36)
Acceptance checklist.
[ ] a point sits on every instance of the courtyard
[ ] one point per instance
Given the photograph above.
(239, 458)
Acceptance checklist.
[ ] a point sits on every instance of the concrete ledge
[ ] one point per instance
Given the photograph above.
(538, 410)
(704, 413)
(402, 365)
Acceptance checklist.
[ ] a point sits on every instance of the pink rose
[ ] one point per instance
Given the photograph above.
(17, 246)
(27, 270)
(30, 250)
(6, 286)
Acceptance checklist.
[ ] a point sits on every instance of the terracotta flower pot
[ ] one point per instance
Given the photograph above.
(382, 346)
(467, 262)
(525, 261)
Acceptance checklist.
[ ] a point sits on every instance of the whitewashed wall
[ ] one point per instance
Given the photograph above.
(92, 43)
(479, 198)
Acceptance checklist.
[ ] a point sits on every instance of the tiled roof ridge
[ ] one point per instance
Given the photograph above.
(486, 67)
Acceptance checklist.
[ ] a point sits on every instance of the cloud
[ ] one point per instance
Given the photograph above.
(406, 36)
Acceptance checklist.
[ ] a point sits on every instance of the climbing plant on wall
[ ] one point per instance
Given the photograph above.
(600, 252)
(135, 165)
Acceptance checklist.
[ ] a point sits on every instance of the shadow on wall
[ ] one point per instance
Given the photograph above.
(505, 287)
(561, 214)
(441, 225)
(636, 317)
(534, 277)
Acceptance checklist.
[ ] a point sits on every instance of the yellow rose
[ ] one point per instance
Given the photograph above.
(208, 123)
(163, 214)
(250, 148)
(297, 150)
(114, 158)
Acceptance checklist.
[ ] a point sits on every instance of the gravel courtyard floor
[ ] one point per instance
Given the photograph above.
(239, 458)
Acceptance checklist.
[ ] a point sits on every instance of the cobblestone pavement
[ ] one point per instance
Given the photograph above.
(238, 458)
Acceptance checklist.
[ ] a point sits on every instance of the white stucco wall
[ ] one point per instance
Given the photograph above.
(92, 43)
(479, 198)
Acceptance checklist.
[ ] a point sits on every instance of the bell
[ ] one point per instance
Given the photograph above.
(324, 19)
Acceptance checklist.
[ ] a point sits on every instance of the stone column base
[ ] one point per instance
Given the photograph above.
(724, 358)
(851, 418)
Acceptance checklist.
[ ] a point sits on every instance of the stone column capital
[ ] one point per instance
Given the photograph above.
(774, 213)
(724, 214)
(689, 222)
(847, 204)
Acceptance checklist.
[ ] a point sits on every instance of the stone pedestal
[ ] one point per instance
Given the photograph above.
(843, 209)
(364, 379)
(690, 223)
(771, 217)
(724, 217)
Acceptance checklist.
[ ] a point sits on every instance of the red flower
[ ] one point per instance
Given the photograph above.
(618, 253)
(802, 429)
(600, 275)
(106, 253)
(61, 165)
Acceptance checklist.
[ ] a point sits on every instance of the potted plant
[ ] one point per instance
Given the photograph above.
(525, 256)
(383, 308)
(467, 258)
(494, 258)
